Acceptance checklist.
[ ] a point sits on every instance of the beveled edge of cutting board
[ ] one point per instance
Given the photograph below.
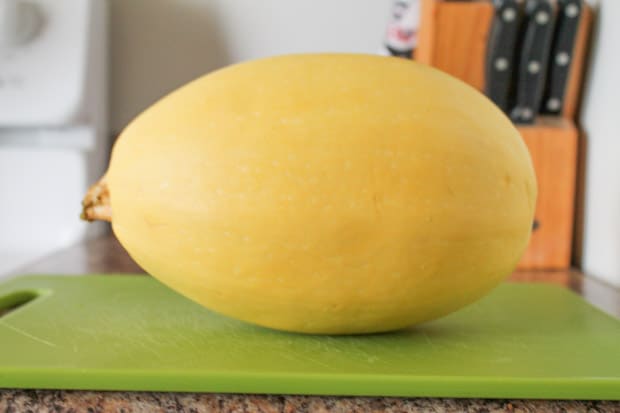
(324, 385)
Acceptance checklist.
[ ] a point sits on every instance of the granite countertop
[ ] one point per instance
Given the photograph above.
(91, 402)
(105, 255)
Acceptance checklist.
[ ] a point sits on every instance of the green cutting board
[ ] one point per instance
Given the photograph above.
(132, 333)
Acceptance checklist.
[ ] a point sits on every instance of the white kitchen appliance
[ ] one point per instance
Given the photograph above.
(53, 122)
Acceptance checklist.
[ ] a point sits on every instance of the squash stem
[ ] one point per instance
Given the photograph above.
(96, 203)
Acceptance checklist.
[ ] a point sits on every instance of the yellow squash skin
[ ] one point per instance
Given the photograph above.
(333, 194)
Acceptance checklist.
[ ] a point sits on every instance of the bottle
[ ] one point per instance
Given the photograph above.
(402, 29)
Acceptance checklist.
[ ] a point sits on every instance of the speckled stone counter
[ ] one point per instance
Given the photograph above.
(66, 401)
(106, 256)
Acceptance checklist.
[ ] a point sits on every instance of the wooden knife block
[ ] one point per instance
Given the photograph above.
(553, 146)
(453, 37)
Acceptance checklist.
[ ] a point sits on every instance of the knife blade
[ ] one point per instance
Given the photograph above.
(501, 52)
(567, 25)
(538, 33)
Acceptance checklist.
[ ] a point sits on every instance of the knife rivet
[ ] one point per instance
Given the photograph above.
(553, 104)
(542, 17)
(501, 64)
(562, 58)
(509, 14)
(533, 67)
(572, 10)
(526, 113)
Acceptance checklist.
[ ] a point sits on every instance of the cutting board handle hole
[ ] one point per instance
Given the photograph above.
(15, 300)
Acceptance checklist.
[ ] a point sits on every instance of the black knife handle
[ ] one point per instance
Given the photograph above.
(569, 17)
(501, 52)
(539, 21)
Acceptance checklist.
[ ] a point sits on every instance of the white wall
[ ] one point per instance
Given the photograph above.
(158, 45)
(601, 121)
